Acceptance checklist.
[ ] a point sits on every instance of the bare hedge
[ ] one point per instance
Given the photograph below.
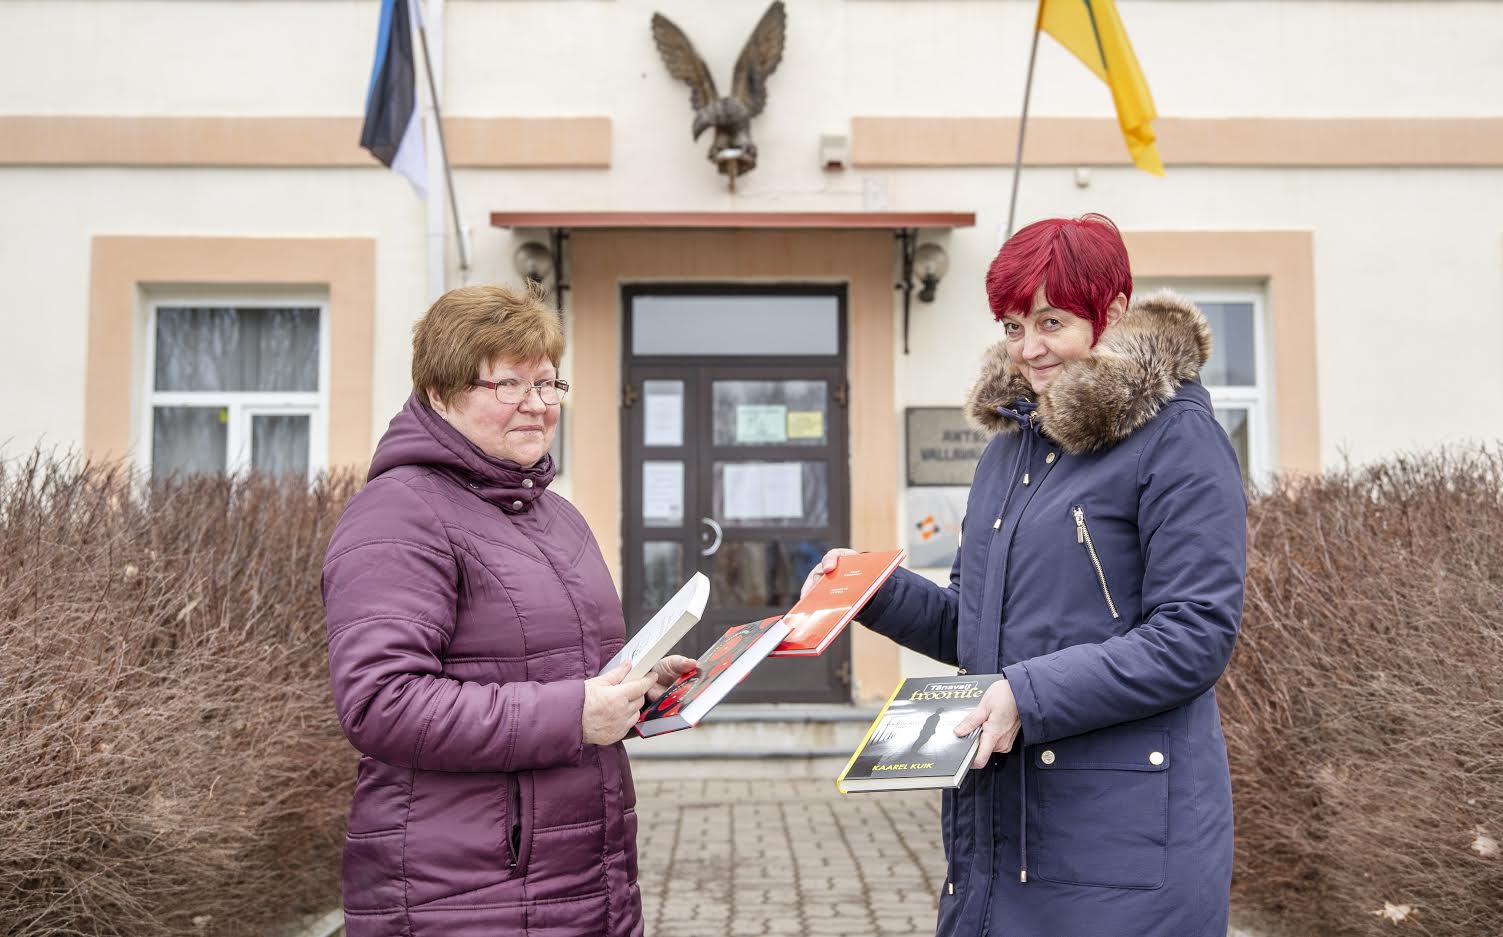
(169, 764)
(1364, 705)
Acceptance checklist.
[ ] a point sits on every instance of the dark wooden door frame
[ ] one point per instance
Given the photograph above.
(827, 678)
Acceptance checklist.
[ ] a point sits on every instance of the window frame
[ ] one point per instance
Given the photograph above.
(1258, 398)
(242, 405)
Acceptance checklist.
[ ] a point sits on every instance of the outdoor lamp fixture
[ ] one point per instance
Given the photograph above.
(533, 261)
(927, 262)
(536, 263)
(930, 263)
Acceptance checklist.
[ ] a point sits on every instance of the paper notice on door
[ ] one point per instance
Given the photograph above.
(663, 416)
(806, 424)
(761, 424)
(662, 494)
(763, 490)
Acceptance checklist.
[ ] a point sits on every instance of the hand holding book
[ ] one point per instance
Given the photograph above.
(997, 716)
(667, 672)
(612, 704)
(826, 564)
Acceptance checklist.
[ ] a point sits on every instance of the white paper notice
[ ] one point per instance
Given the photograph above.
(662, 494)
(763, 490)
(663, 419)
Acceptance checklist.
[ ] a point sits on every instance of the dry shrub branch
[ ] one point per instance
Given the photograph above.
(1364, 705)
(169, 764)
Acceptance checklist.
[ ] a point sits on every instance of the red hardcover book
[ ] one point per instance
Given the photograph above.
(724, 665)
(816, 619)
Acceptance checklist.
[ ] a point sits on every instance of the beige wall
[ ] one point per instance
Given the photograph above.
(473, 142)
(602, 261)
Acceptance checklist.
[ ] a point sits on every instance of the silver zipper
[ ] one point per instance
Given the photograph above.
(1084, 536)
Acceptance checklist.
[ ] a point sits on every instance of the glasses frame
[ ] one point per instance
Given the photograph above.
(561, 387)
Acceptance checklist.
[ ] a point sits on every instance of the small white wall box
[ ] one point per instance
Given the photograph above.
(834, 151)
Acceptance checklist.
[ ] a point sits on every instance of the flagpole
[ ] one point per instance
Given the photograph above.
(1017, 166)
(443, 150)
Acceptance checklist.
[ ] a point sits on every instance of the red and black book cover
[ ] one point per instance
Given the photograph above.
(724, 665)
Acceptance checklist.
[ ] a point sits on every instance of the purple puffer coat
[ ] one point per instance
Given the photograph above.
(467, 604)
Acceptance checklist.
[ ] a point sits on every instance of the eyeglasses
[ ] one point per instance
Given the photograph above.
(509, 390)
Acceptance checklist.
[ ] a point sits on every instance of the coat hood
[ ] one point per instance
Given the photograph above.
(419, 437)
(1098, 401)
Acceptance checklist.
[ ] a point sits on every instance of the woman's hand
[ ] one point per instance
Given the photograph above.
(666, 673)
(611, 707)
(825, 565)
(997, 715)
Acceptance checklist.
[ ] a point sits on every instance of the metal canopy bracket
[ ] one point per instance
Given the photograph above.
(907, 239)
(556, 239)
(904, 225)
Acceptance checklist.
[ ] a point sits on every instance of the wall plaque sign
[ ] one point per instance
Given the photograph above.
(942, 447)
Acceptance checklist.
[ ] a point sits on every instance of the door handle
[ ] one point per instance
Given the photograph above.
(719, 536)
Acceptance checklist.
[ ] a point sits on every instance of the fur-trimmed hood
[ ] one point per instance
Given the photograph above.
(1096, 402)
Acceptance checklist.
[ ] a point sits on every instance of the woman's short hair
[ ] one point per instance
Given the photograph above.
(1081, 262)
(470, 327)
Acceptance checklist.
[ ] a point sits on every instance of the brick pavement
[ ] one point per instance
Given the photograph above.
(786, 856)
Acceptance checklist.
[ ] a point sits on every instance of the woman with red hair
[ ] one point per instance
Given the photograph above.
(1100, 570)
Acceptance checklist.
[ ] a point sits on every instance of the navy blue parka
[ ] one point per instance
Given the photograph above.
(1100, 569)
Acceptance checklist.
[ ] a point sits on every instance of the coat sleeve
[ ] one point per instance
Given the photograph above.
(1192, 530)
(918, 614)
(390, 587)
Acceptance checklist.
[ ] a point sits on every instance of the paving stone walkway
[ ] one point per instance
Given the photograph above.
(787, 856)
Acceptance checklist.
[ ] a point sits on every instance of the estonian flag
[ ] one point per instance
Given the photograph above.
(392, 132)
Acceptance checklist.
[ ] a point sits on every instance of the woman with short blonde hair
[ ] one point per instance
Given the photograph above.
(469, 613)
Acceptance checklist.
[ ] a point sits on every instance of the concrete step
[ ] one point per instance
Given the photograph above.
(771, 740)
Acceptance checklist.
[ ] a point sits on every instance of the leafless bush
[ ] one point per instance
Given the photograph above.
(169, 764)
(1364, 705)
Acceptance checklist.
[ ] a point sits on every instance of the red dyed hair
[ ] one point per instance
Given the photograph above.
(1081, 262)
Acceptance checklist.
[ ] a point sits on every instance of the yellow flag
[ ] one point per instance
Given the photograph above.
(1092, 31)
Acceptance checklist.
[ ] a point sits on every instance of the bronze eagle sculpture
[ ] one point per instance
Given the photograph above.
(732, 150)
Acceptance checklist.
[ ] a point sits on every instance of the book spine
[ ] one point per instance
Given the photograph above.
(840, 781)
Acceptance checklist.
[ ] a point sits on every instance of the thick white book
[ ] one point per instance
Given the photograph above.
(664, 629)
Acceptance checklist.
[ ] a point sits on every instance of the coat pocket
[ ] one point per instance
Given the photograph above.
(1083, 537)
(1103, 816)
(519, 820)
(372, 871)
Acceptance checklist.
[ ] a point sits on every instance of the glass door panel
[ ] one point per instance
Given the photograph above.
(771, 494)
(762, 413)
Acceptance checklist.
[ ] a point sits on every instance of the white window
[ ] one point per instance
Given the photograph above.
(236, 387)
(1237, 376)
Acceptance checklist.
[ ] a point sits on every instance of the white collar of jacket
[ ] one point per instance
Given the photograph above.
(1097, 401)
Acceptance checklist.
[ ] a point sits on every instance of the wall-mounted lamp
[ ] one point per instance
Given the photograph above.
(537, 263)
(930, 263)
(926, 262)
(534, 262)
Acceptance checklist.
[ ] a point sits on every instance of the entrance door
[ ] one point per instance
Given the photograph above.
(735, 461)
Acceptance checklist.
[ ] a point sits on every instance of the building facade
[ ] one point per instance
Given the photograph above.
(204, 272)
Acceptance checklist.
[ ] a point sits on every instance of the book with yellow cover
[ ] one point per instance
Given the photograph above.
(912, 743)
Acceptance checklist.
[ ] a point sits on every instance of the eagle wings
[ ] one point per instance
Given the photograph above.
(732, 149)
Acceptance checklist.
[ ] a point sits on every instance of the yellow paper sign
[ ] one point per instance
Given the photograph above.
(806, 424)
